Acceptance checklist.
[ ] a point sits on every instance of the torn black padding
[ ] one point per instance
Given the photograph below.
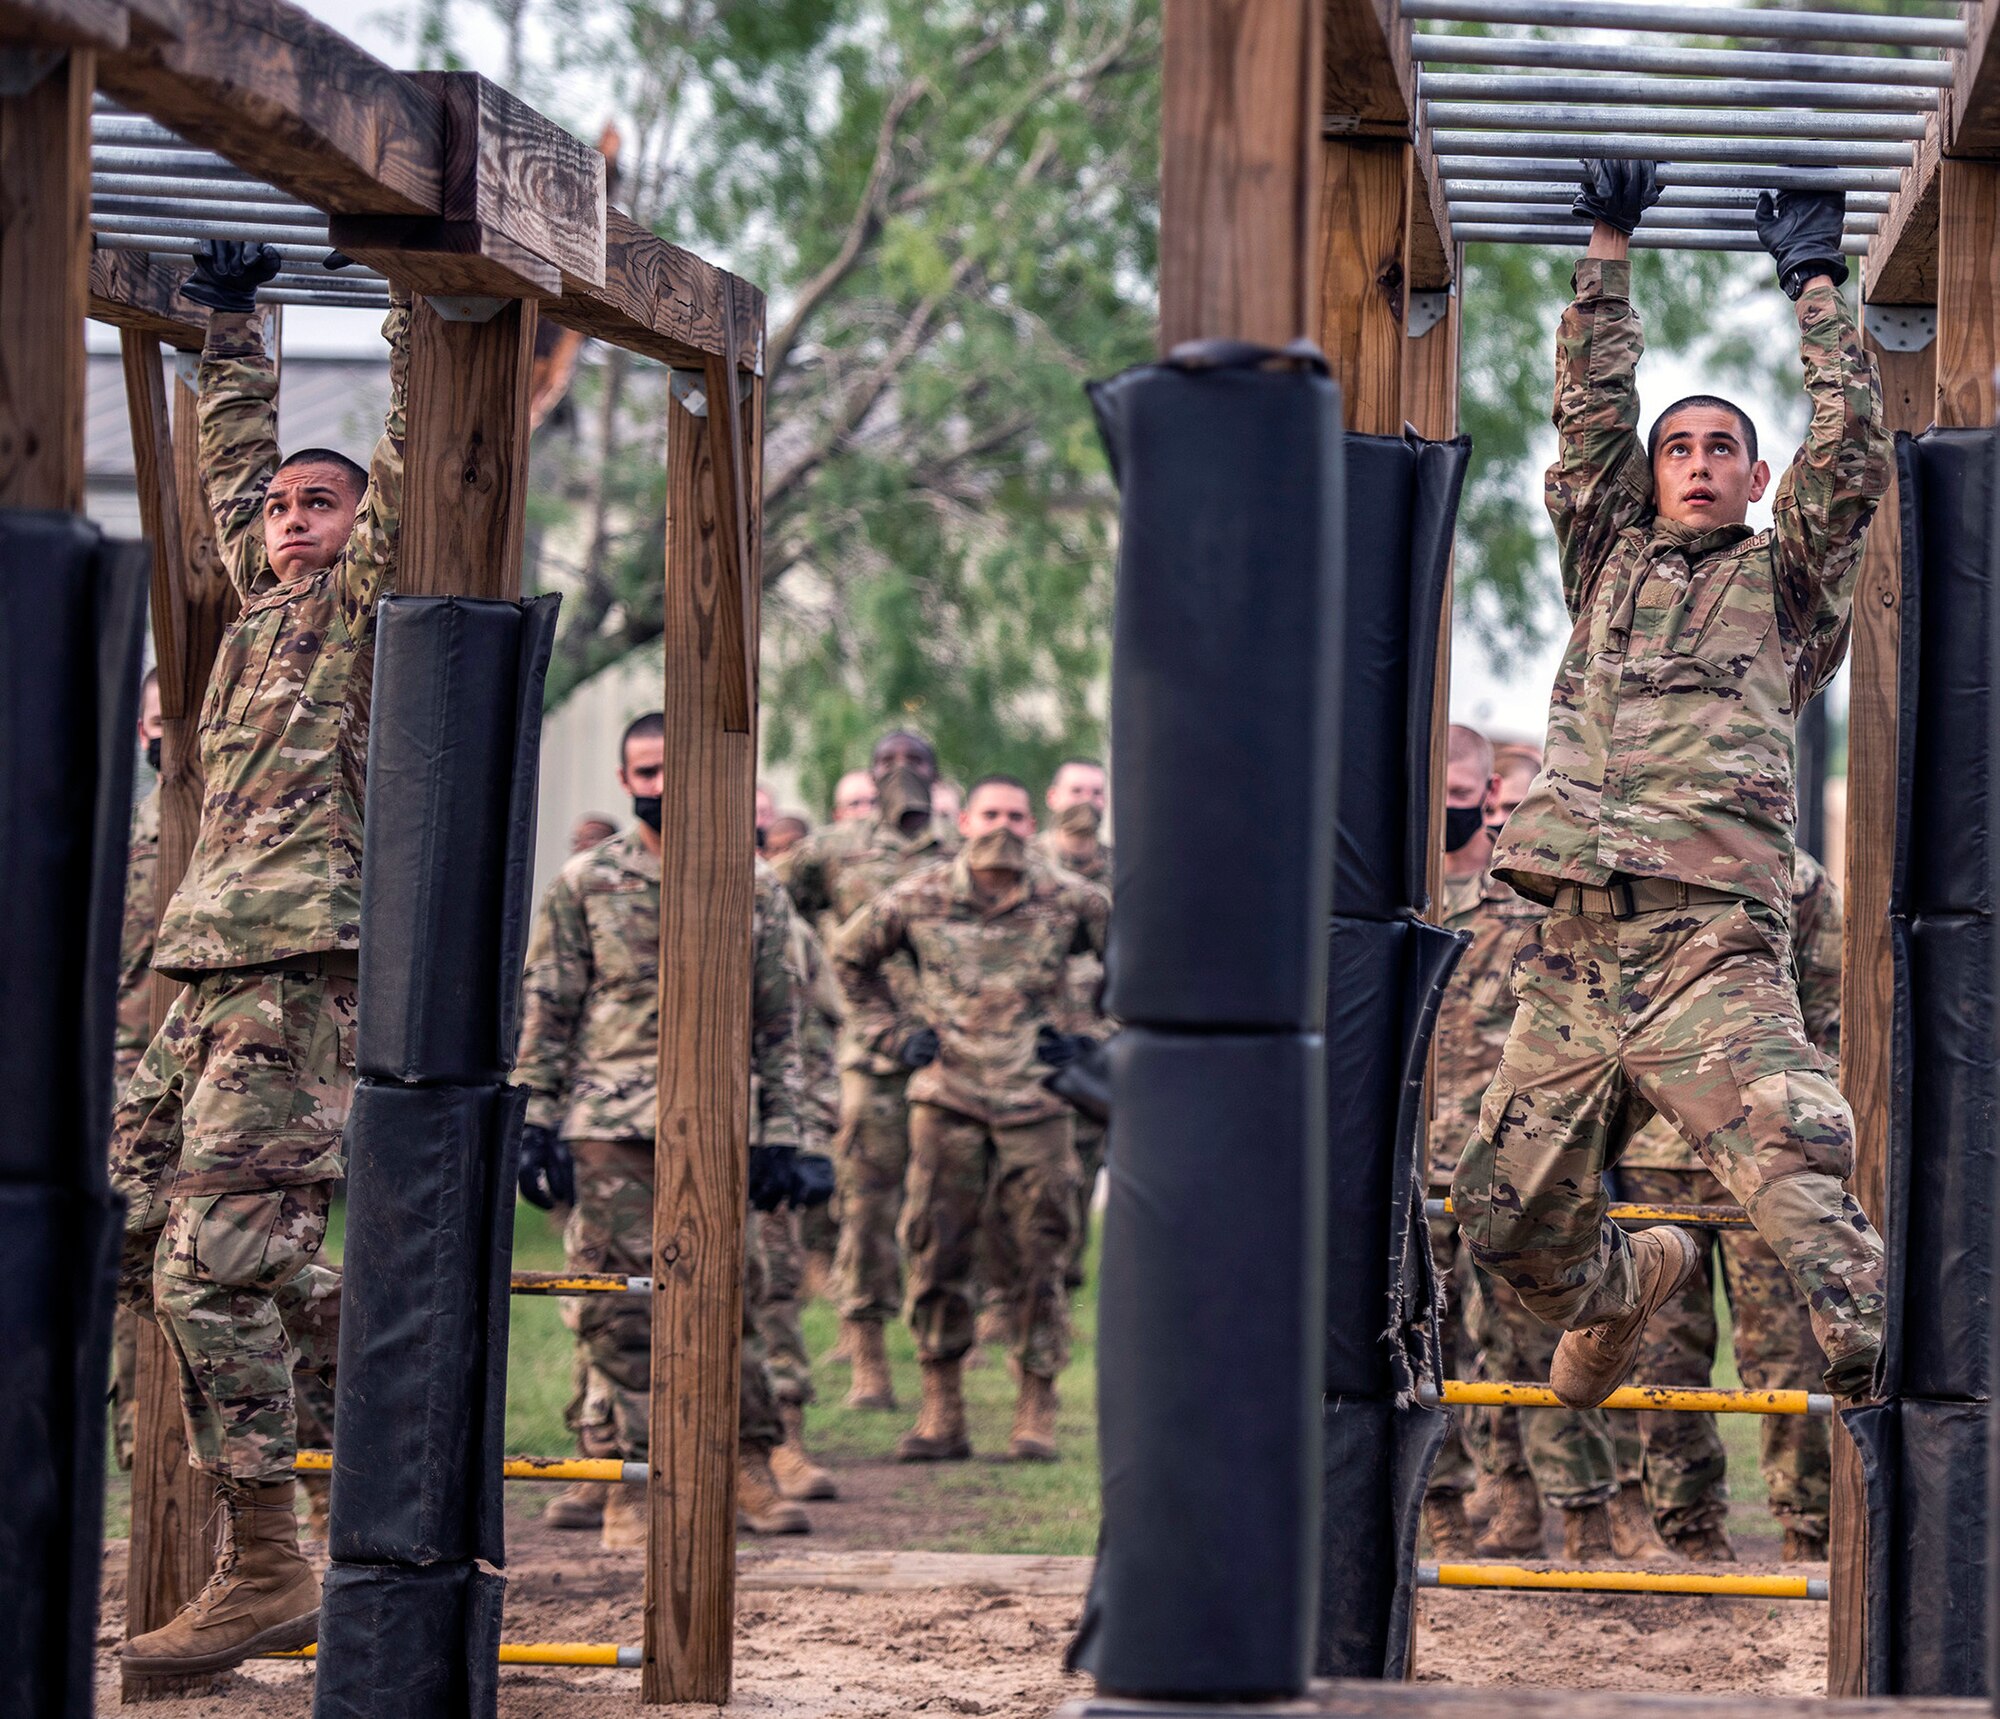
(1225, 671)
(454, 745)
(1209, 1313)
(423, 1330)
(399, 1643)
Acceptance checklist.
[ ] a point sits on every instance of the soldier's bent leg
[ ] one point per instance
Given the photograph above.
(1529, 1192)
(949, 1164)
(1568, 1451)
(224, 1262)
(610, 1229)
(871, 1157)
(1034, 1204)
(146, 1129)
(778, 1323)
(759, 1426)
(1762, 1113)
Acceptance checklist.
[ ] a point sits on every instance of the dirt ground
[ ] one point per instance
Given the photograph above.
(820, 1652)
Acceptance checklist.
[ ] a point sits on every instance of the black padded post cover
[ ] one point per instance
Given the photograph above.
(1225, 671)
(399, 1643)
(69, 687)
(1209, 1349)
(422, 1383)
(454, 748)
(1440, 480)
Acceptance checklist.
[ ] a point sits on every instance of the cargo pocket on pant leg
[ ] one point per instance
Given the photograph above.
(1474, 1190)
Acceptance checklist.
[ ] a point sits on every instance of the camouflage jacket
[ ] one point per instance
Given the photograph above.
(1478, 1008)
(590, 1004)
(987, 976)
(276, 870)
(1080, 1013)
(1816, 920)
(134, 1031)
(820, 1015)
(1672, 725)
(837, 871)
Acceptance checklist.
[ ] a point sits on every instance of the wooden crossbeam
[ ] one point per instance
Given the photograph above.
(665, 302)
(131, 290)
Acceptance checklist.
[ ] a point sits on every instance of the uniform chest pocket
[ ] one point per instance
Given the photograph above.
(624, 933)
(1728, 617)
(261, 680)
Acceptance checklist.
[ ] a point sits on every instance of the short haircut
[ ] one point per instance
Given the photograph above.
(789, 821)
(1468, 746)
(152, 680)
(1079, 763)
(1515, 759)
(641, 728)
(999, 779)
(1714, 402)
(356, 476)
(909, 734)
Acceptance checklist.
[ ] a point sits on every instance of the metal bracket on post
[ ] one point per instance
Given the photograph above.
(463, 307)
(690, 388)
(187, 369)
(1900, 327)
(1426, 311)
(23, 68)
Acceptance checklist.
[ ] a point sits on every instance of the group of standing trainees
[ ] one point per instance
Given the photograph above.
(959, 969)
(1669, 999)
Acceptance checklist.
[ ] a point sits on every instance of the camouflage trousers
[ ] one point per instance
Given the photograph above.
(1691, 1013)
(783, 1237)
(1489, 1335)
(610, 1229)
(1089, 1161)
(226, 1145)
(1686, 1470)
(1030, 1174)
(871, 1158)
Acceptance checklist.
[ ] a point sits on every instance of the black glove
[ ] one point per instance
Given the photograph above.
(774, 1176)
(548, 1172)
(813, 1185)
(1084, 1082)
(920, 1049)
(228, 272)
(1058, 1049)
(1617, 193)
(1801, 230)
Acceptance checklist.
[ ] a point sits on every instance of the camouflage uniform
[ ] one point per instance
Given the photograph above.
(1568, 1453)
(832, 875)
(988, 973)
(133, 1032)
(1080, 1015)
(226, 1143)
(783, 1232)
(1686, 1469)
(590, 1059)
(1670, 757)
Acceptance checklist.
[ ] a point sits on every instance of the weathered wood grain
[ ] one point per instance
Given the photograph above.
(1241, 120)
(1901, 264)
(429, 254)
(140, 293)
(1370, 82)
(465, 455)
(64, 23)
(44, 285)
(1968, 300)
(698, 1209)
(1363, 220)
(660, 300)
(1973, 102)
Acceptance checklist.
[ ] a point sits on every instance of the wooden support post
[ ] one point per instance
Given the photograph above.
(172, 1505)
(1968, 342)
(44, 282)
(1241, 98)
(1909, 381)
(713, 551)
(1364, 218)
(465, 456)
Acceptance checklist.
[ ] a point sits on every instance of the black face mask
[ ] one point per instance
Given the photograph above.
(153, 752)
(760, 841)
(646, 808)
(1461, 824)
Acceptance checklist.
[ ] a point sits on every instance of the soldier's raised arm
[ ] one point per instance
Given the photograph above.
(236, 402)
(1600, 482)
(369, 571)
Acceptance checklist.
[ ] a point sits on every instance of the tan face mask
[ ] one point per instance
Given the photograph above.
(997, 850)
(1080, 818)
(904, 797)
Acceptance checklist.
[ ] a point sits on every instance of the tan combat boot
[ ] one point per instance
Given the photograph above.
(1483, 1500)
(1034, 1436)
(263, 1597)
(1704, 1546)
(1587, 1535)
(797, 1475)
(939, 1435)
(1595, 1360)
(1449, 1531)
(578, 1505)
(869, 1351)
(1804, 1546)
(759, 1508)
(1516, 1528)
(1634, 1537)
(318, 1489)
(624, 1526)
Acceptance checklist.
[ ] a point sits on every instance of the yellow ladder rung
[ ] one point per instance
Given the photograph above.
(1496, 1394)
(1574, 1581)
(518, 1467)
(531, 1653)
(1695, 1217)
(578, 1283)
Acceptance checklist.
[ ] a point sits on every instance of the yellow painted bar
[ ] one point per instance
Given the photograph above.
(531, 1653)
(1620, 1581)
(1496, 1395)
(578, 1283)
(518, 1467)
(1696, 1217)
